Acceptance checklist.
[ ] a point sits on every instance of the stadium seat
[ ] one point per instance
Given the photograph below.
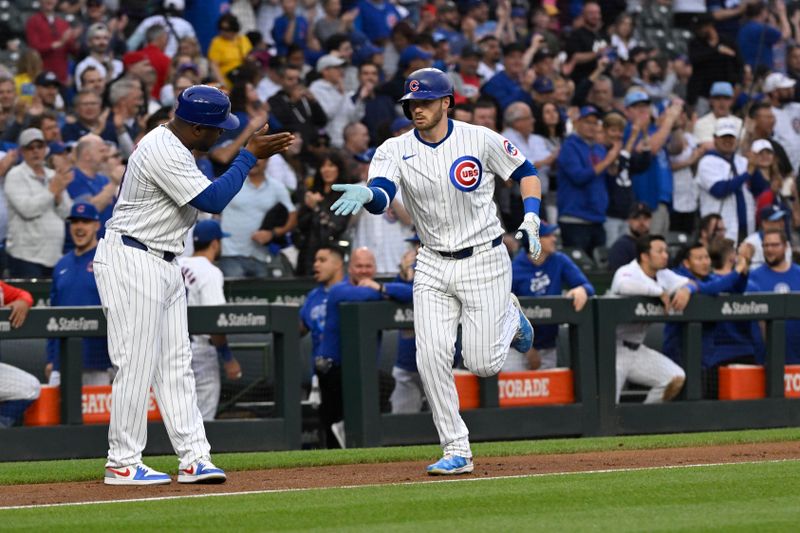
(600, 256)
(580, 258)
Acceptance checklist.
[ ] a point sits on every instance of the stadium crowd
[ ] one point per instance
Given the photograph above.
(643, 117)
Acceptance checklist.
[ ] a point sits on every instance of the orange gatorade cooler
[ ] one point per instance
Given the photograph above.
(95, 401)
(517, 389)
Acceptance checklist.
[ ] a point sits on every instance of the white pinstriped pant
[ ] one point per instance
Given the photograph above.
(474, 292)
(144, 299)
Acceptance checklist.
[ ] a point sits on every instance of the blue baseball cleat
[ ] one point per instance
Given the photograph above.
(138, 474)
(450, 465)
(523, 339)
(201, 471)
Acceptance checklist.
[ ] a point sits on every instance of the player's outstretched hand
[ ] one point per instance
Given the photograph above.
(530, 229)
(351, 201)
(263, 146)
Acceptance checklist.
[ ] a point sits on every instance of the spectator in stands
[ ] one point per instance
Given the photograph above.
(728, 183)
(771, 218)
(289, 29)
(757, 36)
(711, 229)
(29, 66)
(329, 91)
(376, 18)
(88, 185)
(295, 107)
(491, 57)
(93, 80)
(648, 275)
(317, 224)
(449, 27)
(513, 83)
(8, 100)
(622, 38)
(760, 124)
(519, 122)
(721, 99)
(156, 39)
(778, 275)
(245, 251)
(485, 113)
(623, 251)
(126, 99)
(587, 43)
(356, 142)
(47, 122)
(38, 203)
(782, 192)
(54, 38)
(358, 287)
(90, 118)
(333, 21)
(652, 79)
(179, 28)
(547, 276)
(18, 389)
(385, 235)
(618, 182)
(550, 126)
(229, 48)
(466, 80)
(101, 57)
(582, 194)
(779, 90)
(379, 109)
(74, 285)
(684, 152)
(713, 58)
(727, 15)
(725, 342)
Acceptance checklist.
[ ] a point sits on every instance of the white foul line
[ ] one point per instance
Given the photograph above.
(398, 484)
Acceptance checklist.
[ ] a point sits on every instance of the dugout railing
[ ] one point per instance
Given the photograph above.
(365, 425)
(71, 439)
(690, 412)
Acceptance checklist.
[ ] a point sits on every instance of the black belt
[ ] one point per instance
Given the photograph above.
(631, 345)
(133, 243)
(467, 252)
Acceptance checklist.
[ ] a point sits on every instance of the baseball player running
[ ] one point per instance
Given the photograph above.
(446, 170)
(204, 286)
(142, 290)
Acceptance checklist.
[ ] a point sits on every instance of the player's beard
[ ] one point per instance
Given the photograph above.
(432, 123)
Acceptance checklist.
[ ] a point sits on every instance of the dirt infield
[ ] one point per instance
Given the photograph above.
(385, 473)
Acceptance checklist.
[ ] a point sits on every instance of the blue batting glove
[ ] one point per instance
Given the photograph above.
(530, 228)
(351, 201)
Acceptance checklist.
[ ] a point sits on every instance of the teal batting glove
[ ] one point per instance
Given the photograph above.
(351, 201)
(530, 228)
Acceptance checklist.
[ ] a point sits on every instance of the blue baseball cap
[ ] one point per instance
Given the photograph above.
(57, 148)
(636, 97)
(546, 229)
(399, 123)
(410, 53)
(543, 85)
(83, 211)
(721, 88)
(365, 53)
(207, 231)
(588, 111)
(772, 213)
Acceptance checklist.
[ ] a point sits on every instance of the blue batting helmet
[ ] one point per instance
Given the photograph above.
(206, 106)
(426, 84)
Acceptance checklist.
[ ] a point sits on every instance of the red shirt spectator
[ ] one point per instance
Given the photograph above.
(161, 63)
(53, 38)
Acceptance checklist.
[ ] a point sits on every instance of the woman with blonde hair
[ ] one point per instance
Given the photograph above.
(29, 65)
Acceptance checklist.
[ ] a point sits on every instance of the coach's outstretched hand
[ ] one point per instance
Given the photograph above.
(263, 146)
(530, 228)
(351, 201)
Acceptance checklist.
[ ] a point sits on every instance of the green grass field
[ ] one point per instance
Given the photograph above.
(736, 497)
(744, 497)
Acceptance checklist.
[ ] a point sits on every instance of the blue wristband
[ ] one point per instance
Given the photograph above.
(532, 205)
(224, 352)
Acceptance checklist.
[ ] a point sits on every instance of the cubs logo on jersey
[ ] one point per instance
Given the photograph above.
(510, 148)
(466, 173)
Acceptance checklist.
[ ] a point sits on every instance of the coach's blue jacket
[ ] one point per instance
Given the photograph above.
(581, 192)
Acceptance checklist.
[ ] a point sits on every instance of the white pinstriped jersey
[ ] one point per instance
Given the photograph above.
(448, 188)
(160, 180)
(203, 281)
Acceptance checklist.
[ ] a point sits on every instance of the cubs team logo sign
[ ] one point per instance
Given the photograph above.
(466, 173)
(510, 148)
(413, 86)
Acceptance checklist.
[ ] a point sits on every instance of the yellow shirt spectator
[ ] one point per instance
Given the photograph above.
(227, 53)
